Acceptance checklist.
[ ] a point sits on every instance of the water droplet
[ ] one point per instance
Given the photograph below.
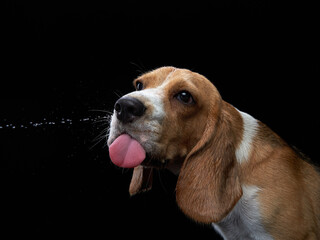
(47, 122)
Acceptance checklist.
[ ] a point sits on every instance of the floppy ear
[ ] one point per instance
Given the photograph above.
(141, 180)
(208, 186)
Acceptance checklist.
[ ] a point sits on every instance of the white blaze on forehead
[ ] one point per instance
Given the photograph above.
(250, 127)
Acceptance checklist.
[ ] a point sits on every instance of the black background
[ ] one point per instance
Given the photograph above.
(62, 59)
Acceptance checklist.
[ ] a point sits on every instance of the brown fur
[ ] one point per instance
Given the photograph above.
(290, 200)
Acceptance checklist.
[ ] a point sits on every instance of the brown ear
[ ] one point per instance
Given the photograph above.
(141, 180)
(208, 186)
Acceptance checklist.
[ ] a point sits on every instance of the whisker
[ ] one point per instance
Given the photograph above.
(125, 170)
(105, 144)
(140, 68)
(104, 137)
(118, 94)
(105, 120)
(101, 122)
(98, 110)
(101, 134)
(95, 144)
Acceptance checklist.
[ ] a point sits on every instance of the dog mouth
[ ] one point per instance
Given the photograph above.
(127, 152)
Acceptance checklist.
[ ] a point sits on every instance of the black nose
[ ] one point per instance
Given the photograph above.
(128, 109)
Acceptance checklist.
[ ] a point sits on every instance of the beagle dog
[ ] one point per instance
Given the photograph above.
(233, 171)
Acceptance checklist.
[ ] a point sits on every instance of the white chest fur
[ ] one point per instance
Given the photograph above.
(244, 221)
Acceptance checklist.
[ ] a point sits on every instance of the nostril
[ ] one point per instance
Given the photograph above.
(117, 107)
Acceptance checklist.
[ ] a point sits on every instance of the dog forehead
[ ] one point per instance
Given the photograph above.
(156, 77)
(167, 75)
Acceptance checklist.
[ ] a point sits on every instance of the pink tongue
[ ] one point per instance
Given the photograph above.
(126, 152)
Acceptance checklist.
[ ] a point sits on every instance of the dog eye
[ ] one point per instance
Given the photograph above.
(185, 97)
(139, 86)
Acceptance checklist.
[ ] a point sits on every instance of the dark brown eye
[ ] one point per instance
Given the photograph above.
(139, 86)
(185, 97)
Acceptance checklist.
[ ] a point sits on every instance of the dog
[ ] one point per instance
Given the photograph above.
(233, 171)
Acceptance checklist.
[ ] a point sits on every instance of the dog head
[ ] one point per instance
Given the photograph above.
(167, 114)
(174, 116)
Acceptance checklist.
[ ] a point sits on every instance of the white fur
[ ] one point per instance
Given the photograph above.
(244, 221)
(250, 127)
